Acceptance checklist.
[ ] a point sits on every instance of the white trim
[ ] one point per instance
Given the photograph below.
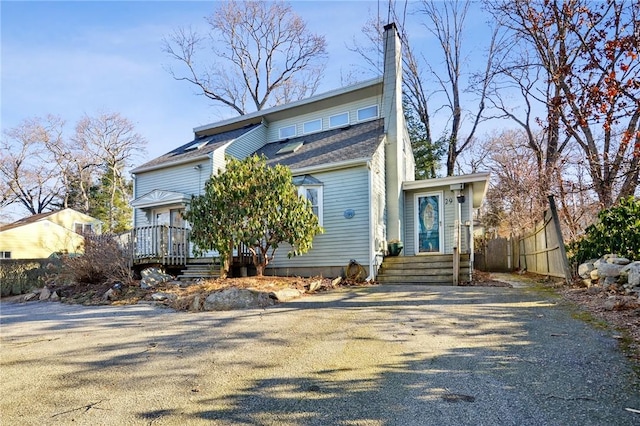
(330, 167)
(480, 182)
(292, 126)
(372, 226)
(157, 198)
(170, 164)
(416, 229)
(302, 191)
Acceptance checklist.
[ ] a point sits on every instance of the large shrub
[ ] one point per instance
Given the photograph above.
(105, 260)
(253, 204)
(617, 230)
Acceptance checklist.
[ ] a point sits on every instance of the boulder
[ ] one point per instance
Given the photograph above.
(161, 296)
(195, 304)
(618, 260)
(45, 293)
(285, 294)
(609, 270)
(632, 271)
(54, 296)
(151, 277)
(584, 270)
(109, 294)
(235, 298)
(30, 296)
(315, 285)
(619, 303)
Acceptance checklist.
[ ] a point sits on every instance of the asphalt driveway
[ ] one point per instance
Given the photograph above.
(385, 355)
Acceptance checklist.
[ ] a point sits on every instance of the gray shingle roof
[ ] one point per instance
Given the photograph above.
(333, 146)
(211, 143)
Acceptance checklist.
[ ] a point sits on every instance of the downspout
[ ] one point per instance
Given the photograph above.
(132, 234)
(372, 235)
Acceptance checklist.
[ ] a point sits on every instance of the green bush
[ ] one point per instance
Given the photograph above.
(22, 276)
(617, 230)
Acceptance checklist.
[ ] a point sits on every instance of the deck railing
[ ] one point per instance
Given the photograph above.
(165, 244)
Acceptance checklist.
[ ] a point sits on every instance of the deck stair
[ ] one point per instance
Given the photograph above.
(424, 269)
(205, 268)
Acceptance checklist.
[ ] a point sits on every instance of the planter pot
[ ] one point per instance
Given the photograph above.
(394, 248)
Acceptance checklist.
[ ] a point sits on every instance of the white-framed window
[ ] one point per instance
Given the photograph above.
(5, 255)
(313, 193)
(339, 120)
(368, 113)
(83, 228)
(287, 132)
(312, 126)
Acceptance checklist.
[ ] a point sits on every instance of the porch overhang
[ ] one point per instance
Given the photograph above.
(478, 181)
(158, 198)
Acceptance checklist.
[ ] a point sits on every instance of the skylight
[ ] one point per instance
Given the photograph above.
(290, 147)
(196, 145)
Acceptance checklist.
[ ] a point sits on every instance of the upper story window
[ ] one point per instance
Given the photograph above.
(5, 255)
(339, 120)
(312, 126)
(287, 132)
(368, 113)
(83, 228)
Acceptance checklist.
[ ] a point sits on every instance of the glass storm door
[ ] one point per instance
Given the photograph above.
(177, 232)
(428, 223)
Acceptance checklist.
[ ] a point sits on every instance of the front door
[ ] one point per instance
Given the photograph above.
(428, 208)
(177, 232)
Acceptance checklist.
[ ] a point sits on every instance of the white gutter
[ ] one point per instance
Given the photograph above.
(331, 166)
(170, 164)
(372, 236)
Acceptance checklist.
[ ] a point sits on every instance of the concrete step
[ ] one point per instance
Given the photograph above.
(421, 271)
(200, 268)
(416, 279)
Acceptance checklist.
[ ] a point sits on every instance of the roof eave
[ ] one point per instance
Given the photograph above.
(143, 169)
(261, 113)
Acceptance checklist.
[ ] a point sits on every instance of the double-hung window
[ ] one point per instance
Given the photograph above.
(83, 228)
(310, 188)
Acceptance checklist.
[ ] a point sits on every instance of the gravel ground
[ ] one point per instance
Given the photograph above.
(380, 355)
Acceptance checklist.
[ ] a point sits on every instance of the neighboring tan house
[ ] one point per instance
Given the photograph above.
(350, 155)
(42, 235)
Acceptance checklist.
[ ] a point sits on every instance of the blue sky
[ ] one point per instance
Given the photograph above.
(76, 58)
(81, 57)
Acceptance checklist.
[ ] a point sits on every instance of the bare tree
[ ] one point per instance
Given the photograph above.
(112, 138)
(587, 57)
(446, 21)
(415, 91)
(265, 56)
(516, 196)
(27, 176)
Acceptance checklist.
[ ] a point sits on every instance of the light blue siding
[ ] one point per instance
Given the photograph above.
(273, 133)
(248, 143)
(184, 178)
(344, 239)
(410, 224)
